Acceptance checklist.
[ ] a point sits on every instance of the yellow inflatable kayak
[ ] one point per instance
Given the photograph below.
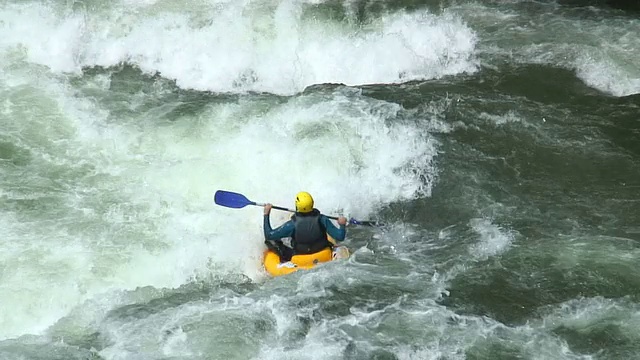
(305, 262)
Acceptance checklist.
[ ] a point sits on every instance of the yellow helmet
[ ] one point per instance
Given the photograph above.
(304, 202)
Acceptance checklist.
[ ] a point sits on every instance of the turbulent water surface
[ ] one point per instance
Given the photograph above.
(498, 141)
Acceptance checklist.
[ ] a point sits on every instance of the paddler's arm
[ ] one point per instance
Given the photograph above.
(338, 233)
(285, 230)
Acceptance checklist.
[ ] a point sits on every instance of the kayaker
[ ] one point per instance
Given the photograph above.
(307, 228)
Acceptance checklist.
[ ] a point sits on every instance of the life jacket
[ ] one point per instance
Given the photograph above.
(309, 235)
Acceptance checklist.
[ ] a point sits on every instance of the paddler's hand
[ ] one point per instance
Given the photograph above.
(342, 220)
(267, 209)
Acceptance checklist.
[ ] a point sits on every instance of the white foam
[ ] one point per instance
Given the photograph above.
(502, 119)
(494, 239)
(137, 205)
(614, 71)
(603, 49)
(584, 313)
(238, 46)
(430, 329)
(144, 214)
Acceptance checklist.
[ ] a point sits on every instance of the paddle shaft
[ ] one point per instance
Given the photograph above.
(289, 210)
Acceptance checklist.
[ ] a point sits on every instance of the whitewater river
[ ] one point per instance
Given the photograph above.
(498, 141)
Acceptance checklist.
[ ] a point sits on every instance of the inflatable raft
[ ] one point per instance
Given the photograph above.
(303, 262)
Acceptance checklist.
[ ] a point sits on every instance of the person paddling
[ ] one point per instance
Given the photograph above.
(307, 228)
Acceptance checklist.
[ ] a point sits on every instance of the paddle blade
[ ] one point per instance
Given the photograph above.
(231, 200)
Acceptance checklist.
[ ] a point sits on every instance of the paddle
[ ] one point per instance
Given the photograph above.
(237, 201)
